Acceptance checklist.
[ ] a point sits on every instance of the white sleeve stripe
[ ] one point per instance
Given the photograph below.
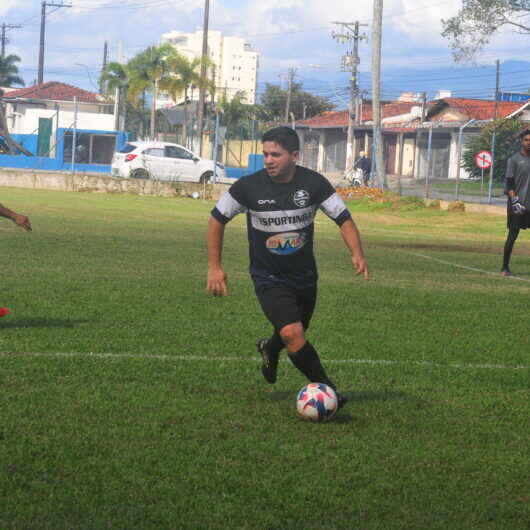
(333, 206)
(228, 206)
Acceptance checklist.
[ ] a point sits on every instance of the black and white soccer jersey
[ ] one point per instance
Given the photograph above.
(280, 223)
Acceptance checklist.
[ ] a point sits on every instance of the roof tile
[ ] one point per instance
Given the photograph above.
(53, 90)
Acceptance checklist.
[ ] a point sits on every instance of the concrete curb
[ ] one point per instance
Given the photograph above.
(471, 207)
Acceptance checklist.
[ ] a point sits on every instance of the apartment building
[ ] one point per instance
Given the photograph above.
(235, 62)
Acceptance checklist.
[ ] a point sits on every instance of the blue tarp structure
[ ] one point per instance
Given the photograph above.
(59, 162)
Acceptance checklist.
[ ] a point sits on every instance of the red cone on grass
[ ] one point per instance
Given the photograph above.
(4, 311)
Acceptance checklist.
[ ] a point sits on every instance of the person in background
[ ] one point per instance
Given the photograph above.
(518, 191)
(365, 165)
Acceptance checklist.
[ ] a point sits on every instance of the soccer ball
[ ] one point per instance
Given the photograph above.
(316, 402)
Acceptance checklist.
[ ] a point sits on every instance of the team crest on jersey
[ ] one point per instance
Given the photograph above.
(286, 243)
(301, 198)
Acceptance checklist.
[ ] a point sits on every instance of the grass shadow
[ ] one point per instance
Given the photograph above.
(377, 395)
(40, 322)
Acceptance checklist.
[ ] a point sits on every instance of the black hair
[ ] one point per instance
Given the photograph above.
(524, 133)
(284, 136)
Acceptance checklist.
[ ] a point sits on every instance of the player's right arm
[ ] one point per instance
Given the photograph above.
(510, 178)
(17, 218)
(229, 205)
(217, 281)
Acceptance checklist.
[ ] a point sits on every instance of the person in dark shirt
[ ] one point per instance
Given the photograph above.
(365, 165)
(281, 202)
(518, 191)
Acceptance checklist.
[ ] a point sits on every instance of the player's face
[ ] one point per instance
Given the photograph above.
(279, 163)
(526, 143)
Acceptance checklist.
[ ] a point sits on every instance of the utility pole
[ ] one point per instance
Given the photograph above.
(103, 84)
(377, 30)
(350, 63)
(290, 79)
(494, 135)
(44, 5)
(202, 87)
(4, 38)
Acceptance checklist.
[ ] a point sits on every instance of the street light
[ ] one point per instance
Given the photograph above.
(460, 156)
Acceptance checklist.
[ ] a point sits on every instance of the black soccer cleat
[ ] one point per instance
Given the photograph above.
(506, 272)
(341, 400)
(269, 365)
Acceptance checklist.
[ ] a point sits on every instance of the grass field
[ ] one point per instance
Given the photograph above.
(130, 399)
(470, 187)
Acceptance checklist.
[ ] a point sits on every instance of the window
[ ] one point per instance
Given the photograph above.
(154, 151)
(127, 148)
(90, 148)
(173, 151)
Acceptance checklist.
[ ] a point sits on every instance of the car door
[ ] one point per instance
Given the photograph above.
(153, 161)
(183, 165)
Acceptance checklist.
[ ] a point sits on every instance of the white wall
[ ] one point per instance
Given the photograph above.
(236, 66)
(26, 120)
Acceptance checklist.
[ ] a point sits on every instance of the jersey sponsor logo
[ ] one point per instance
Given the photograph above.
(282, 220)
(286, 243)
(266, 201)
(286, 220)
(301, 198)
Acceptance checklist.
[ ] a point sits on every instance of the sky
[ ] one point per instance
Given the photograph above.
(287, 33)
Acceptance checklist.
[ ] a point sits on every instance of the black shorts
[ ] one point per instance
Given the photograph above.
(521, 222)
(284, 305)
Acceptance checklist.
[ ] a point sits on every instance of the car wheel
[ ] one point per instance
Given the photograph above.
(139, 174)
(206, 177)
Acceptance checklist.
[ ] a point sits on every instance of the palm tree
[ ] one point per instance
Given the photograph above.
(9, 71)
(181, 75)
(148, 69)
(117, 76)
(234, 112)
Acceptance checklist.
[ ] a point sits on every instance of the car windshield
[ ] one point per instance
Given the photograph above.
(127, 148)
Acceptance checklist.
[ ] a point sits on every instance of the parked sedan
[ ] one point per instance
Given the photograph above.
(164, 161)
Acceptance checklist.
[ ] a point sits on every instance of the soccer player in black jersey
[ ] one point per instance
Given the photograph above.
(518, 191)
(281, 202)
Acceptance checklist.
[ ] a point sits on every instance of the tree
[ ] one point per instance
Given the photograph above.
(303, 104)
(506, 144)
(9, 71)
(479, 20)
(148, 69)
(235, 116)
(181, 75)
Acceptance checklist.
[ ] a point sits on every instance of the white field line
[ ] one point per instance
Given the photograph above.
(205, 358)
(474, 269)
(444, 262)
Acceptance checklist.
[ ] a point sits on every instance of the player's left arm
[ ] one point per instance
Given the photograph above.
(352, 239)
(333, 206)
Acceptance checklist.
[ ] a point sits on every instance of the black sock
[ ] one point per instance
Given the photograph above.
(508, 247)
(275, 345)
(307, 361)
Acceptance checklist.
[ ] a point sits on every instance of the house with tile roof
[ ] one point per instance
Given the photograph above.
(419, 140)
(42, 118)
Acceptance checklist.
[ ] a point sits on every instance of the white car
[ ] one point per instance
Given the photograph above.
(164, 161)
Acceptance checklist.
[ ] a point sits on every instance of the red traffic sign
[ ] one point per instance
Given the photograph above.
(483, 160)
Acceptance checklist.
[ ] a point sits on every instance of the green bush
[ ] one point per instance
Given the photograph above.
(506, 144)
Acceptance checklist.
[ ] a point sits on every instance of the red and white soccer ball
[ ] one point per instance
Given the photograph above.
(316, 402)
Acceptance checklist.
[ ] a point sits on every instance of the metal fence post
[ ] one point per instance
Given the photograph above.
(457, 190)
(74, 134)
